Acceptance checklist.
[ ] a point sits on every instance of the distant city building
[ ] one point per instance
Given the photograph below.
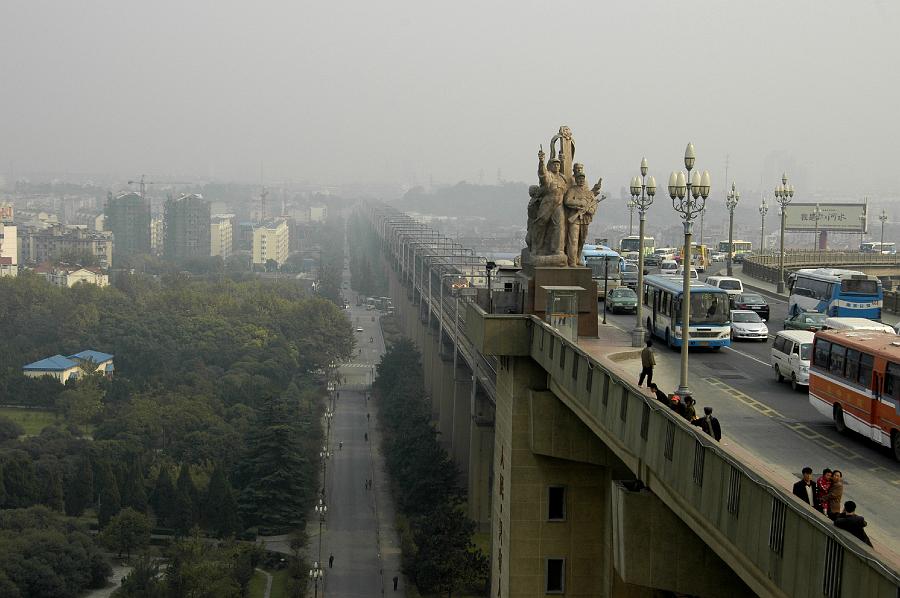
(128, 218)
(157, 234)
(68, 275)
(244, 236)
(88, 220)
(221, 231)
(9, 250)
(187, 227)
(39, 246)
(71, 367)
(7, 212)
(271, 241)
(316, 213)
(36, 218)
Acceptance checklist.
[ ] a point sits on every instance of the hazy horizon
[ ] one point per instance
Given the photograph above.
(405, 93)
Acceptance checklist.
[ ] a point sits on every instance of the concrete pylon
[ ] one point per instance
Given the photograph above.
(481, 457)
(461, 431)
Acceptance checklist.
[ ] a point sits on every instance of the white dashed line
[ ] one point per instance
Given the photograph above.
(748, 356)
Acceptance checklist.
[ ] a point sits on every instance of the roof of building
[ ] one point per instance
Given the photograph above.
(95, 356)
(57, 363)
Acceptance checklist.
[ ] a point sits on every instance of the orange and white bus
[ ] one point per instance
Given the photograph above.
(854, 380)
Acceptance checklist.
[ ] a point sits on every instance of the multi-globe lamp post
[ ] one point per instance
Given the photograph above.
(763, 210)
(315, 574)
(783, 195)
(688, 193)
(643, 188)
(884, 218)
(731, 202)
(321, 509)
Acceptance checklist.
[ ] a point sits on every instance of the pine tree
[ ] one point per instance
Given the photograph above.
(185, 513)
(133, 493)
(110, 500)
(79, 487)
(220, 508)
(163, 498)
(278, 484)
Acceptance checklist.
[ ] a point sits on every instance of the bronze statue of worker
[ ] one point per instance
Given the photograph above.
(580, 205)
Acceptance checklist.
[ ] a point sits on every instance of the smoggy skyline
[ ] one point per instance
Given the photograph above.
(408, 92)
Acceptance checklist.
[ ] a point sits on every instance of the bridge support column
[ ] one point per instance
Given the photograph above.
(462, 422)
(540, 445)
(481, 456)
(442, 387)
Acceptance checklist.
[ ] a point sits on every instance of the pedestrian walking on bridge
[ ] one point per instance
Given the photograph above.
(648, 360)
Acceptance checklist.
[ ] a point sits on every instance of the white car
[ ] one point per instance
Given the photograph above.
(360, 330)
(668, 267)
(718, 257)
(748, 325)
(694, 275)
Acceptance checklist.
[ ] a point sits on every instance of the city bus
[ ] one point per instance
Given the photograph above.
(710, 324)
(631, 244)
(835, 292)
(874, 247)
(739, 247)
(854, 380)
(606, 266)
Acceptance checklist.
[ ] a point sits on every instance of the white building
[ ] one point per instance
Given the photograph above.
(221, 233)
(9, 250)
(64, 275)
(271, 241)
(157, 234)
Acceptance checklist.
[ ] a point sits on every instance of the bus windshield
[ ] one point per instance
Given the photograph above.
(708, 309)
(598, 266)
(862, 287)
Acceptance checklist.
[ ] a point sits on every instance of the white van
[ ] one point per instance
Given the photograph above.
(668, 267)
(732, 286)
(790, 356)
(856, 324)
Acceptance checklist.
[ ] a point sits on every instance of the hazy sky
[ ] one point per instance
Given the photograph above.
(397, 91)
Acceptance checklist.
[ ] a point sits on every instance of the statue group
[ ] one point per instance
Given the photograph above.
(561, 207)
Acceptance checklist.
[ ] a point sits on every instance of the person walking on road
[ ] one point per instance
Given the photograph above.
(848, 521)
(648, 360)
(806, 489)
(835, 494)
(330, 561)
(395, 580)
(823, 484)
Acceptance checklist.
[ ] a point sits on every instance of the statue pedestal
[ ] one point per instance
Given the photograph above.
(536, 298)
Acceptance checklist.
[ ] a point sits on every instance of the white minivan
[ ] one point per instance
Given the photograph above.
(732, 286)
(668, 267)
(790, 356)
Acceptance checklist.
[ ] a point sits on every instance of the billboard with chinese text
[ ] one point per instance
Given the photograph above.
(837, 217)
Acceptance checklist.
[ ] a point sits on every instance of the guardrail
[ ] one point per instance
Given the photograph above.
(765, 267)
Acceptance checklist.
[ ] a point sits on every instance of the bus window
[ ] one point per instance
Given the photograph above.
(852, 364)
(863, 287)
(866, 362)
(822, 350)
(892, 381)
(837, 359)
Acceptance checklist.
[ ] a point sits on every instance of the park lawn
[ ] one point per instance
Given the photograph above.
(31, 420)
(257, 587)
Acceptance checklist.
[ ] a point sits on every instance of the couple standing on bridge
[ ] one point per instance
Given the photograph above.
(561, 208)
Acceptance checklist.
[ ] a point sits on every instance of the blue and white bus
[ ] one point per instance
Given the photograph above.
(835, 292)
(710, 324)
(606, 266)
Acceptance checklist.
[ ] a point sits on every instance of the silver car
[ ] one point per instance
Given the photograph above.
(746, 324)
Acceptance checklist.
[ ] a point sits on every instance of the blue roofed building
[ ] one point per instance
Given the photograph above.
(71, 367)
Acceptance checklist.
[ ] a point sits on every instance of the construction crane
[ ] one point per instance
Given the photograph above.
(143, 184)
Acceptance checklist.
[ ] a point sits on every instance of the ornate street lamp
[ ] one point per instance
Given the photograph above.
(883, 217)
(731, 202)
(315, 574)
(763, 210)
(643, 188)
(631, 206)
(816, 215)
(321, 509)
(783, 195)
(688, 193)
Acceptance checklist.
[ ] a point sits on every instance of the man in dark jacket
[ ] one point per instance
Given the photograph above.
(852, 523)
(709, 424)
(805, 489)
(660, 395)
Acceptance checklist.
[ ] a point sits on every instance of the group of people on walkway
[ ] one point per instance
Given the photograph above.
(683, 406)
(825, 495)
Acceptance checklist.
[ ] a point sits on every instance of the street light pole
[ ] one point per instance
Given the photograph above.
(315, 574)
(321, 508)
(783, 195)
(642, 191)
(731, 202)
(763, 209)
(684, 190)
(883, 217)
(816, 214)
(631, 206)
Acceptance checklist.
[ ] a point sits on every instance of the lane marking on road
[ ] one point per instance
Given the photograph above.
(798, 428)
(748, 356)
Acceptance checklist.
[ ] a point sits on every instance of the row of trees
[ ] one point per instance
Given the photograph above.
(438, 554)
(365, 246)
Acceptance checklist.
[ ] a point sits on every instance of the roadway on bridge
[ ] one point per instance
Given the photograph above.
(779, 426)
